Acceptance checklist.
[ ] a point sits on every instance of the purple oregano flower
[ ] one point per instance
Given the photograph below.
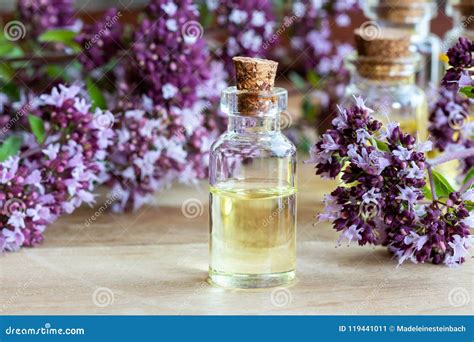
(166, 108)
(55, 176)
(101, 40)
(42, 15)
(169, 55)
(380, 201)
(450, 123)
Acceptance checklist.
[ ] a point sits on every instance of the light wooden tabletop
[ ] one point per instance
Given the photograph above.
(155, 261)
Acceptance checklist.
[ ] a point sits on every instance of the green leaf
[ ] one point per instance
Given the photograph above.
(313, 78)
(6, 72)
(297, 81)
(469, 205)
(97, 98)
(57, 36)
(11, 90)
(63, 36)
(205, 14)
(381, 145)
(279, 6)
(54, 71)
(10, 147)
(427, 192)
(7, 49)
(309, 110)
(37, 127)
(469, 175)
(468, 91)
(442, 186)
(74, 47)
(305, 145)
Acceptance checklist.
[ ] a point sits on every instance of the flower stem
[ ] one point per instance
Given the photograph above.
(469, 152)
(432, 186)
(467, 185)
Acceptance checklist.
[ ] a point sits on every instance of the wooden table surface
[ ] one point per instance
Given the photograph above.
(154, 261)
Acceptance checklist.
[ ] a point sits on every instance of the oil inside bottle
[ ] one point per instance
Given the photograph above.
(253, 233)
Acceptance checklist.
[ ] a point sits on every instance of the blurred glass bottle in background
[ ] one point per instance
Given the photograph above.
(414, 18)
(383, 74)
(462, 12)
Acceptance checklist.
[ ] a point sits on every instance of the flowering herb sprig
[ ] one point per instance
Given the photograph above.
(451, 124)
(459, 75)
(52, 169)
(385, 198)
(165, 105)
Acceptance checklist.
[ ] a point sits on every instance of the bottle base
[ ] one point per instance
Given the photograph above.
(250, 281)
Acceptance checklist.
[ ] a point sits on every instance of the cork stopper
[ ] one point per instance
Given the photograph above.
(387, 43)
(466, 9)
(403, 11)
(255, 74)
(256, 77)
(380, 55)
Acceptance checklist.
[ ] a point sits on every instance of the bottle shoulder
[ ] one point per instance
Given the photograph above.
(274, 143)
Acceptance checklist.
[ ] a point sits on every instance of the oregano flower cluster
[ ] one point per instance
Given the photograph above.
(382, 199)
(165, 88)
(43, 15)
(451, 124)
(54, 168)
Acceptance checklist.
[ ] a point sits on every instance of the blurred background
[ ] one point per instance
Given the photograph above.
(90, 10)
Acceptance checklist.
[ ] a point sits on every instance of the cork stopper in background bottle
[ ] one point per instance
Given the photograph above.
(377, 54)
(256, 77)
(466, 9)
(403, 11)
(388, 43)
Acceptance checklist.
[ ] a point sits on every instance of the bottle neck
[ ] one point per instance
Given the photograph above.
(357, 79)
(418, 31)
(253, 124)
(254, 112)
(383, 72)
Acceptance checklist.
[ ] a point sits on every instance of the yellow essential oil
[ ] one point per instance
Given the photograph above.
(253, 233)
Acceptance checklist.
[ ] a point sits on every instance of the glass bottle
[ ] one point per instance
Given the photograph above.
(252, 194)
(462, 12)
(386, 82)
(413, 17)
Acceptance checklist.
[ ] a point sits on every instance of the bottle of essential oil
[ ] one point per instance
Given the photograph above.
(253, 185)
(413, 17)
(462, 12)
(383, 73)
